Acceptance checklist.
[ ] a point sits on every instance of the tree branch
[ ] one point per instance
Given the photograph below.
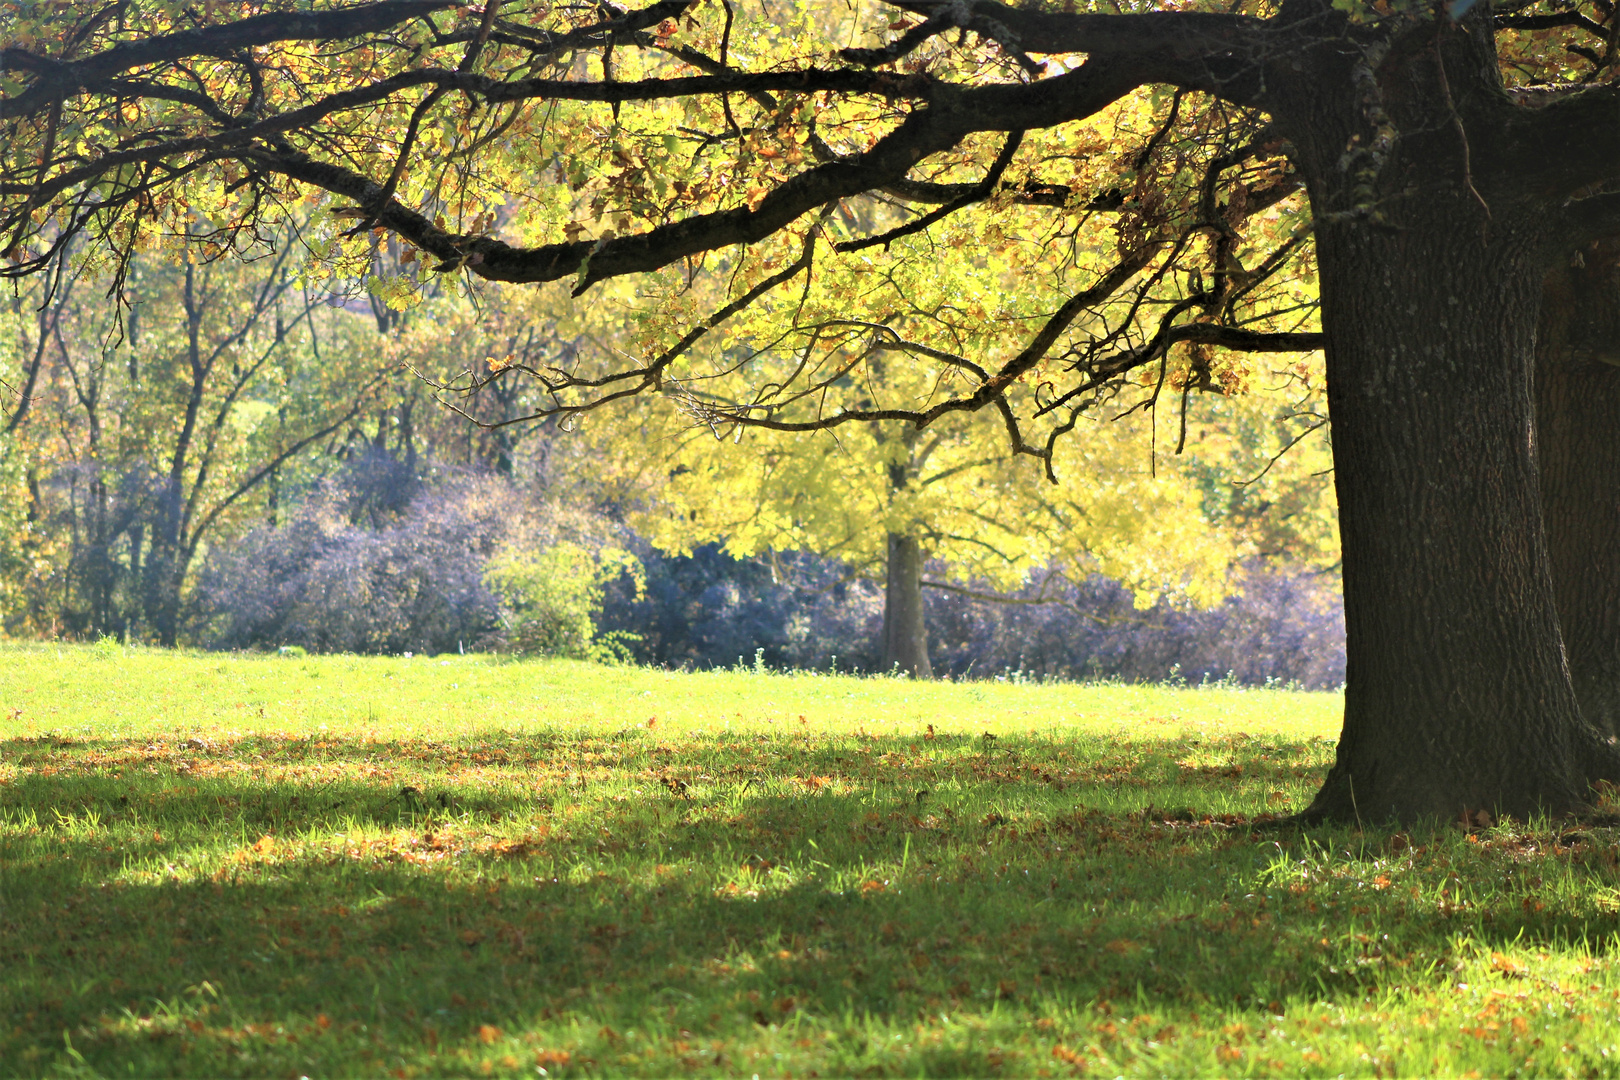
(1173, 35)
(1558, 152)
(977, 193)
(932, 130)
(59, 79)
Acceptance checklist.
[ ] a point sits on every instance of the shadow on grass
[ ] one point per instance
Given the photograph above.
(278, 905)
(203, 948)
(541, 758)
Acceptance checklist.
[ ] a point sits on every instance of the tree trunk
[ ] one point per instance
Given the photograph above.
(1457, 697)
(165, 562)
(1577, 398)
(162, 575)
(905, 635)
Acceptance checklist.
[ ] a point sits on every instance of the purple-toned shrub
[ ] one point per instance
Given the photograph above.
(709, 610)
(321, 582)
(1283, 627)
(355, 569)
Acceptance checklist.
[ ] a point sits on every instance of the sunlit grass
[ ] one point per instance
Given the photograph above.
(65, 688)
(218, 865)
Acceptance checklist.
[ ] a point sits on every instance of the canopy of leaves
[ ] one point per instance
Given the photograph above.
(796, 215)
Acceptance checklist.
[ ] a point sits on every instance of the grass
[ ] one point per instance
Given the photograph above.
(280, 866)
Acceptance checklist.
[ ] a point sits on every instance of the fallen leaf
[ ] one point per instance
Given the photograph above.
(1508, 966)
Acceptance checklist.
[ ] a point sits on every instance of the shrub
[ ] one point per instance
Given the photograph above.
(326, 582)
(479, 563)
(551, 598)
(709, 610)
(1282, 626)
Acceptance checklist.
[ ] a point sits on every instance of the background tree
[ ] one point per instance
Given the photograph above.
(1444, 180)
(885, 498)
(888, 500)
(166, 412)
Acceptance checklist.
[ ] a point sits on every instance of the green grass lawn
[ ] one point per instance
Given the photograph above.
(275, 866)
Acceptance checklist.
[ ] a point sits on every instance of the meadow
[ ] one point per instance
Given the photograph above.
(249, 865)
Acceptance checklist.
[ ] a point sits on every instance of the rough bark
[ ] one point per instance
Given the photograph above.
(905, 634)
(1577, 399)
(1458, 699)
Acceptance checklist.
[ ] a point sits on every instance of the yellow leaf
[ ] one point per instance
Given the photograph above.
(1508, 966)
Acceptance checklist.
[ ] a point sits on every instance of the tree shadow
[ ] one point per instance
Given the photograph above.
(195, 907)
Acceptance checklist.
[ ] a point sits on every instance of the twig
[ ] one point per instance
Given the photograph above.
(1462, 133)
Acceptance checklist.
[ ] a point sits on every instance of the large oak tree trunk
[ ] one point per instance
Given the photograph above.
(1577, 399)
(905, 634)
(1457, 698)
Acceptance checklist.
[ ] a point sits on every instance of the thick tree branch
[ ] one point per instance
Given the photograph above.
(1551, 22)
(929, 131)
(1175, 35)
(58, 79)
(1239, 340)
(1558, 152)
(976, 193)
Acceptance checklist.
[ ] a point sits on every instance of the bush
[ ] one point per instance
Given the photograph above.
(413, 583)
(322, 583)
(552, 597)
(709, 610)
(1281, 627)
(478, 563)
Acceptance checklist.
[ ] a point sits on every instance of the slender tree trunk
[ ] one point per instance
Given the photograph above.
(165, 568)
(905, 629)
(132, 613)
(1577, 397)
(905, 633)
(36, 504)
(407, 435)
(98, 567)
(25, 396)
